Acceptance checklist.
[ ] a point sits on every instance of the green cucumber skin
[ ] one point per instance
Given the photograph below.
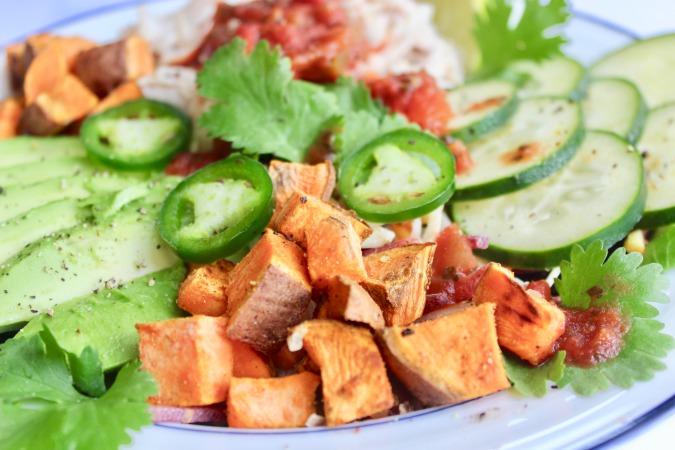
(547, 167)
(488, 123)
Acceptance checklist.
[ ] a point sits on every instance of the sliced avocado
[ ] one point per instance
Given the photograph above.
(106, 320)
(58, 268)
(33, 172)
(25, 149)
(21, 230)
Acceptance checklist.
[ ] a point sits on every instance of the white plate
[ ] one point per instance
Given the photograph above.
(505, 420)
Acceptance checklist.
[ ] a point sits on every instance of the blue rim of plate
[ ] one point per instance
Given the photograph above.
(618, 435)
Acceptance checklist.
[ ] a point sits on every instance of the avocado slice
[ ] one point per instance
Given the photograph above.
(106, 320)
(33, 172)
(58, 268)
(25, 149)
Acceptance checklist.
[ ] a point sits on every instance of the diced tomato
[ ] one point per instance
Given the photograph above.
(452, 289)
(453, 251)
(416, 96)
(185, 163)
(542, 287)
(463, 160)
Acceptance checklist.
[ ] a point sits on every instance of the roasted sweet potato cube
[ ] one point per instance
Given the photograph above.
(69, 101)
(190, 357)
(269, 293)
(247, 363)
(317, 180)
(21, 55)
(450, 359)
(124, 93)
(527, 324)
(272, 402)
(203, 291)
(10, 115)
(284, 359)
(344, 299)
(106, 67)
(399, 278)
(353, 376)
(333, 248)
(302, 212)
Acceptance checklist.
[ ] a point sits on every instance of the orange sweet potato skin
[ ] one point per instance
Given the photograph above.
(317, 180)
(449, 359)
(268, 294)
(10, 115)
(353, 376)
(190, 357)
(203, 291)
(272, 402)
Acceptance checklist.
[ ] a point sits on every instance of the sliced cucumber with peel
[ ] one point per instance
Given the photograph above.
(538, 140)
(648, 64)
(657, 146)
(600, 194)
(558, 76)
(616, 105)
(481, 107)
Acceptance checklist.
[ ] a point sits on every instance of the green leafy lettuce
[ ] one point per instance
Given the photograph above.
(533, 381)
(44, 402)
(535, 36)
(661, 249)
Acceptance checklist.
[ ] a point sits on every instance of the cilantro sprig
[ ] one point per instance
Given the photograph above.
(44, 401)
(661, 249)
(534, 36)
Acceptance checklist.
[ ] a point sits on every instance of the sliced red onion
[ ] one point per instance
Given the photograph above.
(189, 414)
(478, 242)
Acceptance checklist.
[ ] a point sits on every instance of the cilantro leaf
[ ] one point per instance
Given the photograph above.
(533, 37)
(260, 108)
(40, 407)
(354, 96)
(532, 381)
(87, 371)
(661, 249)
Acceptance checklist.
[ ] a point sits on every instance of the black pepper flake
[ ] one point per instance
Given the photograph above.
(482, 415)
(411, 142)
(34, 311)
(158, 246)
(2, 190)
(78, 331)
(407, 332)
(32, 297)
(303, 199)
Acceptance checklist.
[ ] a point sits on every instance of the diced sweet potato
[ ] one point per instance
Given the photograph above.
(203, 291)
(10, 115)
(247, 363)
(449, 359)
(347, 300)
(106, 67)
(403, 230)
(284, 359)
(124, 93)
(69, 101)
(17, 65)
(399, 278)
(51, 65)
(302, 212)
(317, 180)
(190, 357)
(527, 324)
(333, 248)
(269, 293)
(272, 402)
(353, 376)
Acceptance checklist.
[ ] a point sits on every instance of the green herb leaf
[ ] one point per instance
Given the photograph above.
(661, 249)
(87, 371)
(533, 37)
(533, 381)
(260, 108)
(40, 407)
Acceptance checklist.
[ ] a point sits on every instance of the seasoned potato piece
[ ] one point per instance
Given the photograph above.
(69, 101)
(284, 359)
(353, 376)
(106, 67)
(190, 357)
(272, 402)
(450, 359)
(203, 291)
(269, 293)
(124, 93)
(345, 299)
(527, 324)
(317, 180)
(247, 363)
(10, 115)
(333, 248)
(302, 212)
(399, 278)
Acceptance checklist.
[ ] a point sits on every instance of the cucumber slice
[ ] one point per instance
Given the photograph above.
(559, 76)
(646, 63)
(657, 146)
(24, 149)
(481, 107)
(34, 172)
(615, 105)
(539, 139)
(600, 194)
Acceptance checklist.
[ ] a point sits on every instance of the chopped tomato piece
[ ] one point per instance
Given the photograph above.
(185, 163)
(463, 160)
(453, 252)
